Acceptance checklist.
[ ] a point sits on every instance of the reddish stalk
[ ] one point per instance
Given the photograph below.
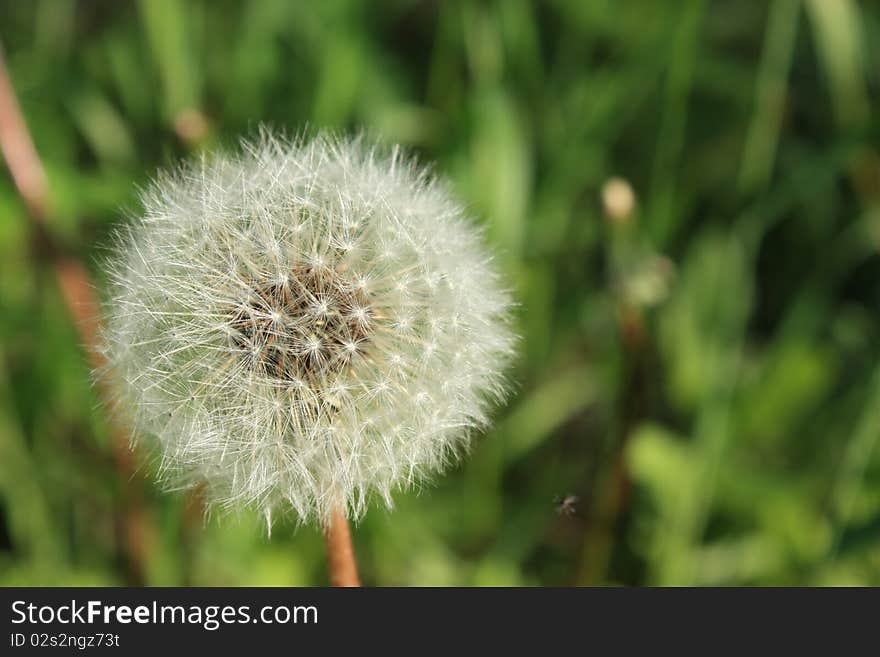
(77, 292)
(340, 553)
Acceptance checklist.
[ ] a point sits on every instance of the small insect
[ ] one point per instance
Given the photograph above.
(567, 506)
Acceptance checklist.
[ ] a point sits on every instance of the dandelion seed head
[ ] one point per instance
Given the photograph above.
(305, 323)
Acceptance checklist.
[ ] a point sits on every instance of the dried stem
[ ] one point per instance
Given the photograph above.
(340, 553)
(77, 291)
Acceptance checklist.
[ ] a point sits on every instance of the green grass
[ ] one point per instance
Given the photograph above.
(703, 375)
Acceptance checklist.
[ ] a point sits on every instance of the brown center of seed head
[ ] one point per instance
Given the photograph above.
(303, 328)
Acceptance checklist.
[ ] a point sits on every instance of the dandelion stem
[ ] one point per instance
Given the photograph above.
(77, 292)
(340, 553)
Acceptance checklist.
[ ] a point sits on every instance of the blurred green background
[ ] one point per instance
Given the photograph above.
(685, 195)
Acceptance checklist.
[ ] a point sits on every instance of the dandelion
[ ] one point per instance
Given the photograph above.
(305, 325)
(618, 200)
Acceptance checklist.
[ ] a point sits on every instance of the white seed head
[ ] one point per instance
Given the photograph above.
(305, 324)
